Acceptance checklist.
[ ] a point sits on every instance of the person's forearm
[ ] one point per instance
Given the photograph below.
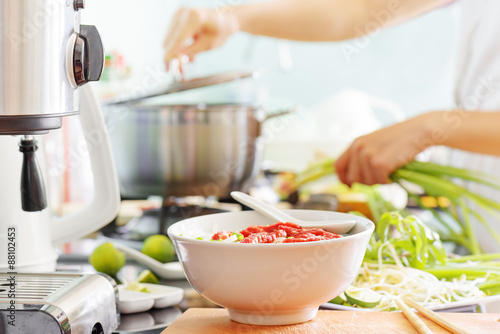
(326, 20)
(470, 131)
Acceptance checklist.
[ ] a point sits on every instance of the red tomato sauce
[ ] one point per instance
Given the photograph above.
(278, 233)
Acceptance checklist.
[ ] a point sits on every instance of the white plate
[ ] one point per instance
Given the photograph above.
(491, 304)
(160, 296)
(149, 320)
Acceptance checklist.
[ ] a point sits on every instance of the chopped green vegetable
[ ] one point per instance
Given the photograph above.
(407, 238)
(239, 236)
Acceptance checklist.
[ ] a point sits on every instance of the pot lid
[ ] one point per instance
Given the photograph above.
(188, 84)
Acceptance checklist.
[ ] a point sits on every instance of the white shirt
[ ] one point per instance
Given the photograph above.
(478, 88)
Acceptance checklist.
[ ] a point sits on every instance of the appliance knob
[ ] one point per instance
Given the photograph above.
(79, 4)
(88, 55)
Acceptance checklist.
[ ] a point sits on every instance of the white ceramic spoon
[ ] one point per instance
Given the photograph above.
(169, 270)
(335, 226)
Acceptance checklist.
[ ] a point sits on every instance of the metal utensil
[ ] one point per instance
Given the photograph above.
(334, 226)
(188, 84)
(169, 270)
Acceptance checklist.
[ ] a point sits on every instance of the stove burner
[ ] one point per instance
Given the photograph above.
(156, 221)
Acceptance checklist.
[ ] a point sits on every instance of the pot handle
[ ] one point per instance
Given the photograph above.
(105, 203)
(286, 111)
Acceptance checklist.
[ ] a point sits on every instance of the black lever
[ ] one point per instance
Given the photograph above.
(32, 187)
(88, 55)
(94, 52)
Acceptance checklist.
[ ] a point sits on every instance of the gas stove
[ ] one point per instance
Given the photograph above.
(157, 220)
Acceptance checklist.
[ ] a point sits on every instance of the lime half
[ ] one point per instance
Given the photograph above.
(134, 286)
(146, 276)
(362, 297)
(340, 299)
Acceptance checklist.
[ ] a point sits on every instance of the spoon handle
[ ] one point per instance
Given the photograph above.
(263, 208)
(170, 270)
(138, 256)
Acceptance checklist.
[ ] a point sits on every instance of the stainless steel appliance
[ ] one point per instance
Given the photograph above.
(185, 150)
(58, 303)
(46, 55)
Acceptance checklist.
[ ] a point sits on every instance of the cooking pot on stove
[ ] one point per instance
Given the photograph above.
(186, 149)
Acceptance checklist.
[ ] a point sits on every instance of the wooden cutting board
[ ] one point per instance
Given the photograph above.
(216, 321)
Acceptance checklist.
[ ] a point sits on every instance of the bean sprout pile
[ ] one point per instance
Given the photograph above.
(394, 281)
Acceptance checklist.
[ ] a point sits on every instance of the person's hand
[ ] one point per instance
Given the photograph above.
(373, 157)
(194, 30)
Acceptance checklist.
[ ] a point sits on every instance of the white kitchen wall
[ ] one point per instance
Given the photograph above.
(134, 28)
(409, 66)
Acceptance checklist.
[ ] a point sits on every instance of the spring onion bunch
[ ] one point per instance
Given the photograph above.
(435, 180)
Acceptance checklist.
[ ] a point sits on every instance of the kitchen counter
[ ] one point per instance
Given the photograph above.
(156, 321)
(216, 321)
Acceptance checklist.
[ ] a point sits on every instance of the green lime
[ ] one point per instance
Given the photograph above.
(146, 276)
(362, 297)
(135, 286)
(107, 259)
(159, 247)
(340, 299)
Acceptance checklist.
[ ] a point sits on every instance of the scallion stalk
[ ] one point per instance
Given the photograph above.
(437, 181)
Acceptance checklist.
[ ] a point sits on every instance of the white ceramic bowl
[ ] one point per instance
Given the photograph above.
(269, 284)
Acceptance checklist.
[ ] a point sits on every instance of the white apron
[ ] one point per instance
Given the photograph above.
(478, 88)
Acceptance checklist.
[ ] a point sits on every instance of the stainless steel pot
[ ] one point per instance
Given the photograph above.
(186, 150)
